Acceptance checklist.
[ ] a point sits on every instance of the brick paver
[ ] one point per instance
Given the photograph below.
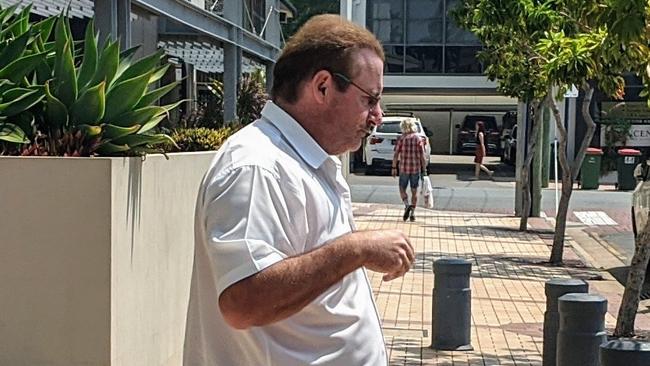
(507, 283)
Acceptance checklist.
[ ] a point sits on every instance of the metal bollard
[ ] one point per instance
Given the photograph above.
(452, 313)
(554, 288)
(582, 329)
(621, 352)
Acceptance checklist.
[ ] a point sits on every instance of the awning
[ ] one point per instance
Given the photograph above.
(206, 57)
(46, 8)
(445, 103)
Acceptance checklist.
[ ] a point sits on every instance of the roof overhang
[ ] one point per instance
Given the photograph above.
(206, 23)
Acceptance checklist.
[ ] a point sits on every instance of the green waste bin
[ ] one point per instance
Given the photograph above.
(590, 169)
(627, 160)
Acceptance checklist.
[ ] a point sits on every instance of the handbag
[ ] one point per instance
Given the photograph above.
(426, 192)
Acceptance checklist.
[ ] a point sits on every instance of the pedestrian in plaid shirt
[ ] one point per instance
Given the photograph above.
(410, 154)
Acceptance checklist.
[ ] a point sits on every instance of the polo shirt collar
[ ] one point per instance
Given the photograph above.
(305, 145)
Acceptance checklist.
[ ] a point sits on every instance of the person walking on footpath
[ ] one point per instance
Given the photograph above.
(480, 152)
(279, 274)
(410, 158)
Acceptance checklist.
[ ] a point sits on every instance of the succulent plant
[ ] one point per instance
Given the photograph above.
(75, 99)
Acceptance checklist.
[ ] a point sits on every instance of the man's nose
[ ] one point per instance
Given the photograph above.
(375, 114)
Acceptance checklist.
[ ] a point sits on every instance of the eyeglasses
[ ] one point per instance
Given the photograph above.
(373, 99)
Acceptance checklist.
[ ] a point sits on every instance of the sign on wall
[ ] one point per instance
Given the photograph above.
(639, 135)
(636, 113)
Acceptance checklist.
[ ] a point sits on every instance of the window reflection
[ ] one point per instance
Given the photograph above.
(394, 59)
(423, 60)
(385, 18)
(462, 60)
(418, 34)
(425, 21)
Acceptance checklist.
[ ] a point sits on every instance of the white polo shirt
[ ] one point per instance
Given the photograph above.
(273, 192)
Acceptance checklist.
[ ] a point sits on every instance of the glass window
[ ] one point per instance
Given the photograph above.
(462, 60)
(394, 59)
(424, 21)
(385, 18)
(423, 60)
(393, 127)
(456, 34)
(254, 15)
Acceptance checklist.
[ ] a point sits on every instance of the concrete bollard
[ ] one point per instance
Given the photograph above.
(452, 313)
(582, 329)
(554, 288)
(628, 352)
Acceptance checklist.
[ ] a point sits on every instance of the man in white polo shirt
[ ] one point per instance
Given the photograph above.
(279, 270)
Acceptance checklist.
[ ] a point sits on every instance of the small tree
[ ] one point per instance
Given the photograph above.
(509, 31)
(567, 42)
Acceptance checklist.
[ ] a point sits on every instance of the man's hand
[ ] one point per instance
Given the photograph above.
(386, 251)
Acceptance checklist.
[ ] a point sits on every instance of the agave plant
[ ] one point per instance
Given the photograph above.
(20, 56)
(89, 101)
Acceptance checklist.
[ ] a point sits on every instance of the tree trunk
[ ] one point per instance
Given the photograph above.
(630, 302)
(569, 172)
(525, 171)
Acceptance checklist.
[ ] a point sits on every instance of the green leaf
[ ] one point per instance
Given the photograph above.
(7, 13)
(89, 63)
(65, 77)
(142, 66)
(114, 132)
(12, 133)
(19, 103)
(44, 28)
(154, 95)
(128, 53)
(18, 69)
(55, 111)
(90, 131)
(60, 41)
(90, 107)
(138, 116)
(14, 49)
(43, 72)
(124, 96)
(107, 65)
(139, 140)
(109, 148)
(160, 72)
(153, 122)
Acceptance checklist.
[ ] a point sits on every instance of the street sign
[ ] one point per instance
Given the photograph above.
(572, 92)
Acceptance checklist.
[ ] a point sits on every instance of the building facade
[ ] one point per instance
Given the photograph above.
(431, 67)
(204, 39)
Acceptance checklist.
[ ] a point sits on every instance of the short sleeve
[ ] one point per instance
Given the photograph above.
(246, 223)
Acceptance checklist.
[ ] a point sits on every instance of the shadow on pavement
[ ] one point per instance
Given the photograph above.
(503, 266)
(620, 274)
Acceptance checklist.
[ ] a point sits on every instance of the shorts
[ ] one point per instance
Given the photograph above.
(413, 179)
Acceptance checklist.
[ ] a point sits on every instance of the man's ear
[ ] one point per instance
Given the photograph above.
(321, 84)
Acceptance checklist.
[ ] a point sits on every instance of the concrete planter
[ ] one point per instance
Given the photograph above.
(96, 258)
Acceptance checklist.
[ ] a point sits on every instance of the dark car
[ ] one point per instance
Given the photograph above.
(466, 138)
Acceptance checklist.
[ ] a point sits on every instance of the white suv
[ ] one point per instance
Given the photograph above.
(380, 144)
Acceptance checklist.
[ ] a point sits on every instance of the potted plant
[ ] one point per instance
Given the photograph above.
(97, 239)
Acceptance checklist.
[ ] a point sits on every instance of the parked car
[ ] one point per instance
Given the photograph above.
(466, 138)
(380, 144)
(509, 143)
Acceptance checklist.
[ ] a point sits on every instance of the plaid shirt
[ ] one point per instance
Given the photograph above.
(410, 153)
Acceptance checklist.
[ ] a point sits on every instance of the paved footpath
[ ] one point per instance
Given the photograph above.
(507, 283)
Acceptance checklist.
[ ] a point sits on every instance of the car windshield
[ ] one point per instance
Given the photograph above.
(489, 121)
(392, 127)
